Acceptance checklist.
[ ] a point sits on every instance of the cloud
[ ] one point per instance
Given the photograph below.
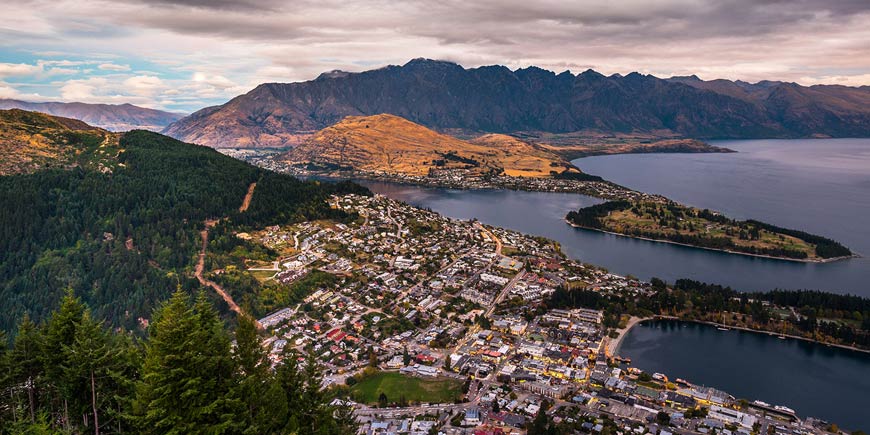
(144, 85)
(207, 51)
(9, 91)
(18, 69)
(37, 70)
(249, 5)
(141, 90)
(82, 90)
(64, 62)
(216, 80)
(847, 80)
(113, 67)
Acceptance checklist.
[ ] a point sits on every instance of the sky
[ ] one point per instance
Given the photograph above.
(188, 54)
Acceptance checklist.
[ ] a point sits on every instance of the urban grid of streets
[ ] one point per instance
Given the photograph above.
(462, 302)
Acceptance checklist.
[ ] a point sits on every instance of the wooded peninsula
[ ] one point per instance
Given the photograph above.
(676, 223)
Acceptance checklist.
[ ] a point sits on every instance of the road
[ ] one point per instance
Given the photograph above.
(398, 224)
(498, 244)
(504, 292)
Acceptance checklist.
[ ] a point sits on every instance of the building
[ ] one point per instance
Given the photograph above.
(495, 279)
(472, 417)
(731, 416)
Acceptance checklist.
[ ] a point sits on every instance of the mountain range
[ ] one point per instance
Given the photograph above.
(494, 99)
(112, 117)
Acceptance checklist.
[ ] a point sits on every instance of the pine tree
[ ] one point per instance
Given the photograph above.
(6, 412)
(59, 335)
(25, 365)
(264, 400)
(288, 377)
(373, 358)
(188, 380)
(121, 381)
(214, 356)
(345, 420)
(312, 406)
(187, 371)
(541, 424)
(89, 358)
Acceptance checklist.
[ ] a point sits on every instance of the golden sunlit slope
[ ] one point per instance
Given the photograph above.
(30, 141)
(395, 145)
(521, 158)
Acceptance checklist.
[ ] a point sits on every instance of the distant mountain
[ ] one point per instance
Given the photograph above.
(30, 141)
(112, 117)
(394, 145)
(493, 99)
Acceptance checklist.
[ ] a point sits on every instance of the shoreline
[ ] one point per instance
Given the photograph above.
(613, 344)
(592, 189)
(726, 251)
(634, 321)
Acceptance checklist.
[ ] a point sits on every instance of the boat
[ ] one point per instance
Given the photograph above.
(781, 337)
(784, 409)
(760, 403)
(722, 328)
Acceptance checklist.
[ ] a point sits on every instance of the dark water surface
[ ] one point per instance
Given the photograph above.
(813, 379)
(817, 185)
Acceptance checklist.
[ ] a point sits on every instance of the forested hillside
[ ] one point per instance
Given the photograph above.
(125, 239)
(71, 375)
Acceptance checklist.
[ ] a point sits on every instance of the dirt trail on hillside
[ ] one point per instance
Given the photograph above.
(247, 201)
(200, 264)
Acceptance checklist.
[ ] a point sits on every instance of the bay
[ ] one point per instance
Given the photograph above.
(813, 379)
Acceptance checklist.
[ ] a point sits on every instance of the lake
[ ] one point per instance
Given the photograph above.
(821, 186)
(813, 379)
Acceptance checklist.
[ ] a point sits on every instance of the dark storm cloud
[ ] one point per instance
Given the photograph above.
(249, 5)
(479, 20)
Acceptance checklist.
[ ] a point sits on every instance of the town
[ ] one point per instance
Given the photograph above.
(436, 325)
(453, 178)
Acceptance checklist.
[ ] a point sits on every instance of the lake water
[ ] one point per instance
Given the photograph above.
(813, 379)
(820, 186)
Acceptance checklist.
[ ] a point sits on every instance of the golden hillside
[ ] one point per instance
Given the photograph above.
(395, 145)
(30, 141)
(521, 158)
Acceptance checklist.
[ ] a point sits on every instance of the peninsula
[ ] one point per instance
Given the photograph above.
(671, 222)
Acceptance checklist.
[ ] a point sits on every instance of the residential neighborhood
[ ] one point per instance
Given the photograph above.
(420, 300)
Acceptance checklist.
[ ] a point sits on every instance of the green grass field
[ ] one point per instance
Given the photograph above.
(262, 275)
(396, 386)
